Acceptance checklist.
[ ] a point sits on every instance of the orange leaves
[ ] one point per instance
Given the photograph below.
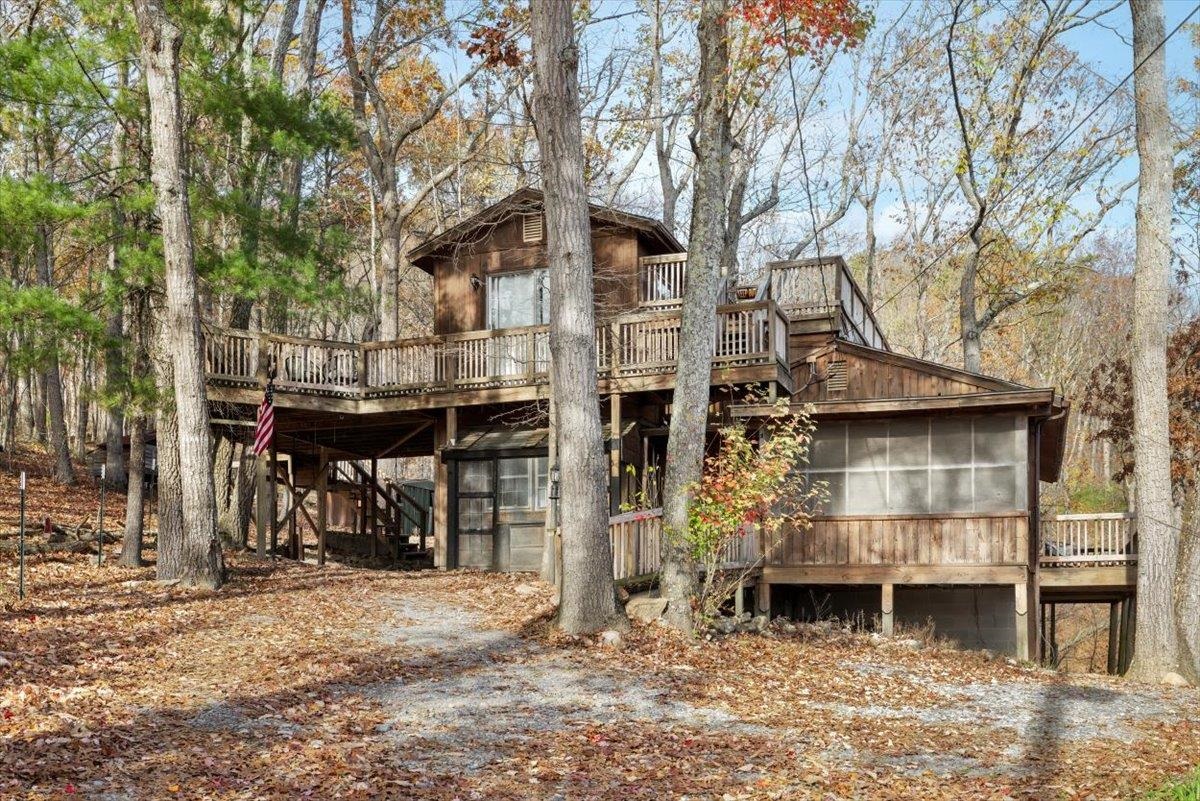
(805, 26)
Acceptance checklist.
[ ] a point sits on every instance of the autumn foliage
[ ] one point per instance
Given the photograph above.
(805, 26)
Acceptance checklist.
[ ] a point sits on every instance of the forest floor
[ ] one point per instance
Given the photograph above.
(294, 681)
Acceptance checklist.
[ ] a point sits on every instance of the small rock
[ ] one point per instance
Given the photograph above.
(911, 644)
(525, 589)
(760, 623)
(611, 638)
(1174, 680)
(725, 625)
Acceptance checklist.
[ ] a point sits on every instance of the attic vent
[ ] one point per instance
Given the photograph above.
(837, 380)
(531, 228)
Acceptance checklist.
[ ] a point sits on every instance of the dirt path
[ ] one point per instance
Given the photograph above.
(479, 695)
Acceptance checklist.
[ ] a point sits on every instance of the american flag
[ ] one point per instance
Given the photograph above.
(265, 430)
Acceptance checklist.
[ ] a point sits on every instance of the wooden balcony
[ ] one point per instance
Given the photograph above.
(633, 352)
(1088, 552)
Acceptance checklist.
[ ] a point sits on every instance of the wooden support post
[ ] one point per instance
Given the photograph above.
(1021, 602)
(1114, 628)
(322, 505)
(888, 606)
(444, 432)
(614, 453)
(762, 598)
(739, 599)
(274, 500)
(262, 515)
(1053, 637)
(550, 529)
(371, 524)
(1042, 638)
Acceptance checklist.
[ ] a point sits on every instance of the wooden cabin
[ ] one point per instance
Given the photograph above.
(933, 472)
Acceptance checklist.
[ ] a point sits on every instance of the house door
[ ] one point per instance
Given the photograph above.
(501, 506)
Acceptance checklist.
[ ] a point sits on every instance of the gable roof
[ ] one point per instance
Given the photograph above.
(529, 200)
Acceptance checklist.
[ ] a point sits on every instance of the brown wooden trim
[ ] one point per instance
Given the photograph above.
(1029, 398)
(1016, 515)
(895, 574)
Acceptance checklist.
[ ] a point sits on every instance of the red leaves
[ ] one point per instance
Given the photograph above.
(806, 26)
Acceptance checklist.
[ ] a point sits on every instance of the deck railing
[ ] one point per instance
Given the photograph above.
(636, 539)
(661, 279)
(1089, 540)
(637, 542)
(808, 288)
(629, 345)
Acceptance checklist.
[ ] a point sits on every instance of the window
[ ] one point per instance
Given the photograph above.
(518, 299)
(475, 500)
(522, 483)
(922, 465)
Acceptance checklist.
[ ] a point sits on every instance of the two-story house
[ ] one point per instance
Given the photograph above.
(933, 472)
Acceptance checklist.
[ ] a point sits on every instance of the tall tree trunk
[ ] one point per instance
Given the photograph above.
(588, 602)
(131, 546)
(114, 361)
(1157, 646)
(390, 247)
(161, 39)
(64, 473)
(712, 145)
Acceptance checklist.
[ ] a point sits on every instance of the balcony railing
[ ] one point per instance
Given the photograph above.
(1090, 540)
(803, 288)
(647, 343)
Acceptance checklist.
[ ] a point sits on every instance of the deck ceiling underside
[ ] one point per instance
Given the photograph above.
(301, 432)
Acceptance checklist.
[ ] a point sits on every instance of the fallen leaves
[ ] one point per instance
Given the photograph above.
(113, 685)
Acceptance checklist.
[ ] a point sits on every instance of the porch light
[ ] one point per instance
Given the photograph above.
(554, 494)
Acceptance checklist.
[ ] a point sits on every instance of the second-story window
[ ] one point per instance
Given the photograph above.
(519, 298)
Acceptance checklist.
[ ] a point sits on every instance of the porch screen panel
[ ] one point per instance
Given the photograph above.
(922, 465)
(476, 513)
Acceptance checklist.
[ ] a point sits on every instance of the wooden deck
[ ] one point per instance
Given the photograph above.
(1088, 553)
(635, 352)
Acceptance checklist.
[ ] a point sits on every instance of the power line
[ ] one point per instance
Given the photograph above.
(925, 268)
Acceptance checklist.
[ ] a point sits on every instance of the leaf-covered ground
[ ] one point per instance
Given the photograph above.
(299, 682)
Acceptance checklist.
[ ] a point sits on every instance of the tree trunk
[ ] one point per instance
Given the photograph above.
(201, 563)
(588, 601)
(131, 546)
(1157, 646)
(114, 362)
(689, 408)
(390, 255)
(64, 473)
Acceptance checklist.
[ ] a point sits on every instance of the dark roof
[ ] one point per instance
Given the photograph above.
(528, 200)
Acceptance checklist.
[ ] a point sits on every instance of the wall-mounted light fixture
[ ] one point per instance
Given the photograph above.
(554, 493)
(476, 282)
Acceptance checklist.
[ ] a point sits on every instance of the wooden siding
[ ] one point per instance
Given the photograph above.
(460, 306)
(906, 540)
(877, 375)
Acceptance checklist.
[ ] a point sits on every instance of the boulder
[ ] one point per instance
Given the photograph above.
(1174, 680)
(645, 608)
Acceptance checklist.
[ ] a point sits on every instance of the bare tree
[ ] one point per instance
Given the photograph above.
(712, 145)
(588, 602)
(200, 563)
(1157, 649)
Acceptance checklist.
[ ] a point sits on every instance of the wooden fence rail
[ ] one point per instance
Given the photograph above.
(1089, 539)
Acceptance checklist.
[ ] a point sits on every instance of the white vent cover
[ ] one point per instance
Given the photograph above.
(837, 379)
(531, 228)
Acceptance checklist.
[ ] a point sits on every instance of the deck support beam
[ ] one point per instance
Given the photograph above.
(887, 607)
(273, 502)
(262, 514)
(445, 431)
(1114, 627)
(322, 505)
(762, 598)
(614, 454)
(1023, 628)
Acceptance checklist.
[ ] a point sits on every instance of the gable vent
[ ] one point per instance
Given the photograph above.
(836, 378)
(531, 228)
